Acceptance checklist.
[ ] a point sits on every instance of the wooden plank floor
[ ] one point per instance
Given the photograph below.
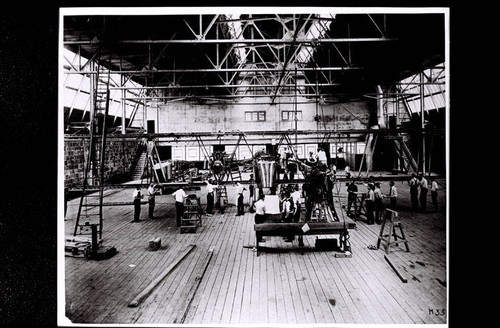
(281, 286)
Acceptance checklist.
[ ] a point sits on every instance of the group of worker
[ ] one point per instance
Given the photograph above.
(419, 189)
(373, 199)
(375, 205)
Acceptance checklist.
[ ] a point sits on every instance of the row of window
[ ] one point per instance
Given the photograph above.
(260, 116)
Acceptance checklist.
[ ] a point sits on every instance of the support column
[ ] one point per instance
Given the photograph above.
(422, 111)
(124, 105)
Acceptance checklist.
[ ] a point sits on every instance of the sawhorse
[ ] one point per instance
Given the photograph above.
(391, 219)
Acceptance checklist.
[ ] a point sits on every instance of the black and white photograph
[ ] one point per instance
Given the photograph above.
(253, 166)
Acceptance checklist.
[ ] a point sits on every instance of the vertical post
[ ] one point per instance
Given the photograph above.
(124, 104)
(157, 118)
(422, 109)
(93, 228)
(217, 59)
(295, 106)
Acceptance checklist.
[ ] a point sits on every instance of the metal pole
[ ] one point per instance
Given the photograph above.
(422, 109)
(124, 106)
(295, 106)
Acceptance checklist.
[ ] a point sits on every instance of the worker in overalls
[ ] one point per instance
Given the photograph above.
(152, 191)
(137, 195)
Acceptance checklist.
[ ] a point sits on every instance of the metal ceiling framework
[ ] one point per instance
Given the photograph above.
(229, 57)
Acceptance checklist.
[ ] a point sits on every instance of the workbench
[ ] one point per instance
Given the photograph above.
(273, 226)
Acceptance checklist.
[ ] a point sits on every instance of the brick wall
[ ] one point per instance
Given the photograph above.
(119, 157)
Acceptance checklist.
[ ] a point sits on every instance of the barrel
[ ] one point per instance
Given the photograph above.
(265, 173)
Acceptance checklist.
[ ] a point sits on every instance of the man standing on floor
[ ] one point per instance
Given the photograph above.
(423, 191)
(241, 208)
(137, 203)
(352, 189)
(370, 204)
(179, 197)
(210, 197)
(296, 202)
(152, 190)
(393, 196)
(414, 191)
(379, 205)
(251, 189)
(260, 212)
(434, 193)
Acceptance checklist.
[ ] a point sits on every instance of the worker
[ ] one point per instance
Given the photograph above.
(152, 190)
(414, 191)
(347, 171)
(260, 212)
(393, 196)
(434, 193)
(296, 201)
(240, 188)
(379, 205)
(179, 197)
(329, 186)
(137, 203)
(321, 156)
(370, 204)
(311, 160)
(282, 155)
(251, 189)
(288, 213)
(352, 189)
(423, 191)
(210, 196)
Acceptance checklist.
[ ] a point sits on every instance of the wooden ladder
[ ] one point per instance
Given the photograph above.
(222, 198)
(391, 219)
(191, 218)
(93, 175)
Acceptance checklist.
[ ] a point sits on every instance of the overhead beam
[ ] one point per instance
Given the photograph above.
(228, 86)
(219, 70)
(234, 41)
(336, 132)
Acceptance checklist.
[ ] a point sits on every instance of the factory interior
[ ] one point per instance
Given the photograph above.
(255, 167)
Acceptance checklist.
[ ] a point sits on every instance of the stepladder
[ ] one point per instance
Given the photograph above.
(389, 228)
(192, 215)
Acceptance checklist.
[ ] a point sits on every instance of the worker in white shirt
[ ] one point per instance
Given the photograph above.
(423, 191)
(288, 213)
(210, 196)
(137, 203)
(414, 191)
(152, 190)
(347, 172)
(434, 193)
(179, 197)
(260, 212)
(241, 209)
(393, 196)
(296, 201)
(321, 155)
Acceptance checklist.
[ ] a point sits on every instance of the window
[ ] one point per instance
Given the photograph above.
(255, 116)
(288, 115)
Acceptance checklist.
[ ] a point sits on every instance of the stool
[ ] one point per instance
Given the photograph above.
(391, 219)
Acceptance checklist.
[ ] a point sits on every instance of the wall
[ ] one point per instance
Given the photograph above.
(119, 157)
(193, 117)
